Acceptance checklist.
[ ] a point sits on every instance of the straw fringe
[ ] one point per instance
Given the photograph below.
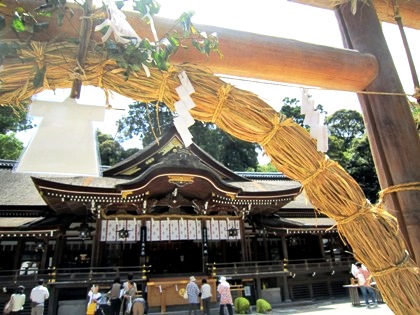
(370, 230)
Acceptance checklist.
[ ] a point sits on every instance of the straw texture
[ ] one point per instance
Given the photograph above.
(369, 229)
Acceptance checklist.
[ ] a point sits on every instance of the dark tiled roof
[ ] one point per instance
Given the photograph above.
(7, 164)
(263, 175)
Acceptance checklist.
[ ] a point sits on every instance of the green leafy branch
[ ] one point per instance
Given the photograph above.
(135, 55)
(25, 21)
(145, 53)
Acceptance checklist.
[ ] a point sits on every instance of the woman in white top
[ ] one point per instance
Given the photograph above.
(18, 299)
(206, 296)
(94, 296)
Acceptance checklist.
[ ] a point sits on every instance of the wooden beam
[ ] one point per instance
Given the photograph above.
(283, 60)
(409, 10)
(244, 54)
(391, 129)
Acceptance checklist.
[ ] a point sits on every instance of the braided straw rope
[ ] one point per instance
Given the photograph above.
(369, 229)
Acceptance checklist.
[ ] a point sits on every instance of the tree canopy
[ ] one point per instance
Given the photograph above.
(346, 125)
(12, 120)
(110, 150)
(348, 144)
(148, 121)
(10, 147)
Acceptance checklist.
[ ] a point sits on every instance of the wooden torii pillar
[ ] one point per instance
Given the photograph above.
(391, 130)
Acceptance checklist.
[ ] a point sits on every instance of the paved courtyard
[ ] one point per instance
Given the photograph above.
(339, 306)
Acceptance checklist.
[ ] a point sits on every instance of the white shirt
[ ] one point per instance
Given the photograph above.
(125, 286)
(205, 291)
(94, 296)
(18, 301)
(39, 294)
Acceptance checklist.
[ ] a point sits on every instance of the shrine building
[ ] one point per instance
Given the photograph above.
(164, 214)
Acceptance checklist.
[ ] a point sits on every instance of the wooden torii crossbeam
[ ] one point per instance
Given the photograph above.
(244, 54)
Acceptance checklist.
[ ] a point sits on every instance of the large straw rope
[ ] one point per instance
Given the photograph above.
(370, 230)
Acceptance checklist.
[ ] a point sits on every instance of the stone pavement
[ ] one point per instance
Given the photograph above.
(328, 307)
(341, 307)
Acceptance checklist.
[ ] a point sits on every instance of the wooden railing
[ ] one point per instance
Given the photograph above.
(242, 269)
(309, 266)
(235, 269)
(73, 276)
(261, 268)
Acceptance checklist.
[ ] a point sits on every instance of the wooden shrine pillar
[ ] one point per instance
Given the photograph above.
(244, 242)
(96, 244)
(204, 246)
(392, 134)
(284, 247)
(60, 244)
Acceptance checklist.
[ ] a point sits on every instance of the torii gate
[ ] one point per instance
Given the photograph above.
(393, 137)
(392, 134)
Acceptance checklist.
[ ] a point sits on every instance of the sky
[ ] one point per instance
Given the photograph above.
(279, 18)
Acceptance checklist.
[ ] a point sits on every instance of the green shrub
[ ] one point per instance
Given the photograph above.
(241, 305)
(263, 306)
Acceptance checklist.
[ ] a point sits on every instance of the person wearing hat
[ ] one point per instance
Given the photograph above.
(18, 299)
(225, 296)
(193, 296)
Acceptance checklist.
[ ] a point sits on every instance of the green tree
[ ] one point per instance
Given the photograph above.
(347, 142)
(361, 167)
(349, 146)
(10, 147)
(266, 168)
(145, 120)
(110, 151)
(148, 121)
(291, 109)
(343, 127)
(346, 125)
(337, 149)
(12, 120)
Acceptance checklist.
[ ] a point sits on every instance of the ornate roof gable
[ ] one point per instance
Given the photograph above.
(166, 151)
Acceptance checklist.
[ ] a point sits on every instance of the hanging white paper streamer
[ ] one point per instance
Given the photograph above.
(117, 24)
(123, 32)
(312, 118)
(307, 103)
(182, 107)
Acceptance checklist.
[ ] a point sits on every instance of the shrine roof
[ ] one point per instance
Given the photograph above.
(18, 184)
(170, 142)
(149, 174)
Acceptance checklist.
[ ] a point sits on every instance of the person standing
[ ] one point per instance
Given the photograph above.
(115, 297)
(93, 300)
(125, 288)
(18, 300)
(206, 296)
(38, 296)
(129, 297)
(193, 291)
(364, 281)
(225, 296)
